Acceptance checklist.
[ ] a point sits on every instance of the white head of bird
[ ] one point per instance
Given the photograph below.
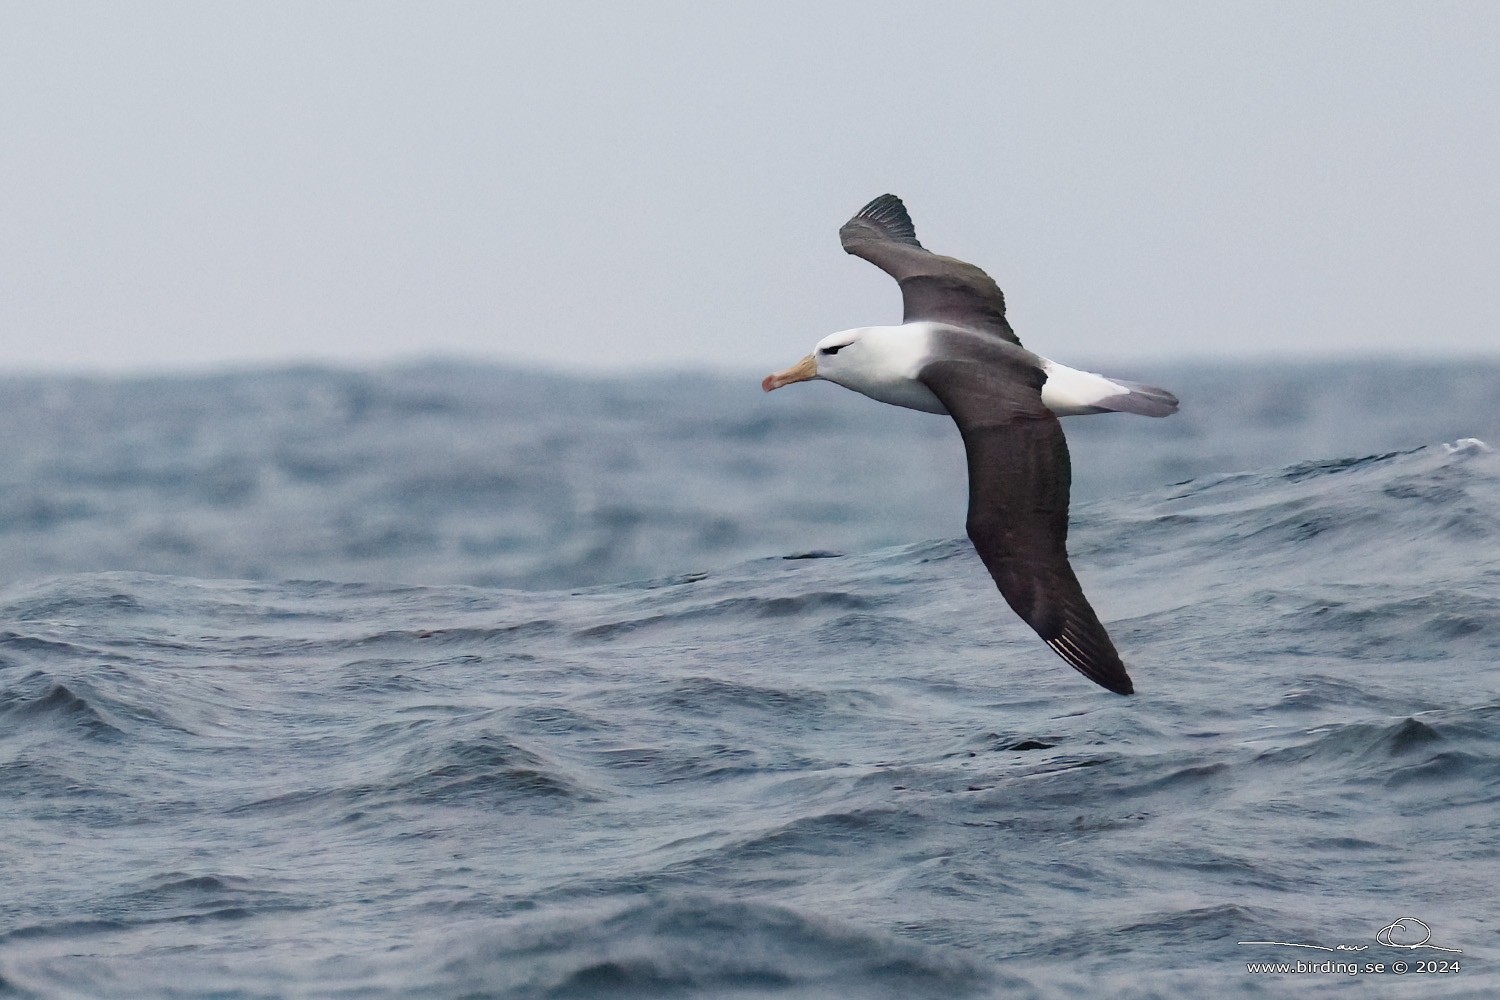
(881, 362)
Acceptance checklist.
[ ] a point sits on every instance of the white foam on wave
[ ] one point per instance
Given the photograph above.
(1467, 446)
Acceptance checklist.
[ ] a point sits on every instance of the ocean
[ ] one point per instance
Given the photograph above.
(447, 680)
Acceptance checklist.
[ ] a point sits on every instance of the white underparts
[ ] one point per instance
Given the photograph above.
(883, 362)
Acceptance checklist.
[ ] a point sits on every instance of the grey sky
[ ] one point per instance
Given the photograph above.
(606, 185)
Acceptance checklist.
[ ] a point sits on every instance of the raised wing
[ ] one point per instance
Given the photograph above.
(932, 287)
(1019, 478)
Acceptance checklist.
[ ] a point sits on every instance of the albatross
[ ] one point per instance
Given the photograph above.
(955, 353)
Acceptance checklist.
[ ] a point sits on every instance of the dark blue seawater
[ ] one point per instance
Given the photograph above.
(447, 681)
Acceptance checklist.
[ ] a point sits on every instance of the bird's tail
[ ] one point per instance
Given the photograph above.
(1069, 391)
(1147, 400)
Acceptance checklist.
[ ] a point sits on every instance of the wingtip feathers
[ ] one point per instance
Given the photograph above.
(1104, 670)
(889, 215)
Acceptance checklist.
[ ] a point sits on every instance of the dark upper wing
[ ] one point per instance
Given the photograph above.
(932, 287)
(1019, 477)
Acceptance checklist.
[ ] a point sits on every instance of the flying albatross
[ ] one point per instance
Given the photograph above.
(955, 353)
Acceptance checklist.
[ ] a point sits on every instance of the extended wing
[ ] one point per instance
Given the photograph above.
(1019, 478)
(932, 287)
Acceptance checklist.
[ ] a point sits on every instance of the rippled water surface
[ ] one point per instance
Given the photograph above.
(460, 683)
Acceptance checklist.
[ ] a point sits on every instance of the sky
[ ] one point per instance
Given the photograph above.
(618, 186)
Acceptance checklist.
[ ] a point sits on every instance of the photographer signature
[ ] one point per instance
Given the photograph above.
(1391, 935)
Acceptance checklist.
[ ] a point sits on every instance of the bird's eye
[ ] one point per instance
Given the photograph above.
(834, 349)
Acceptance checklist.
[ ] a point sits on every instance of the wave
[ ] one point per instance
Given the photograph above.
(780, 777)
(701, 945)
